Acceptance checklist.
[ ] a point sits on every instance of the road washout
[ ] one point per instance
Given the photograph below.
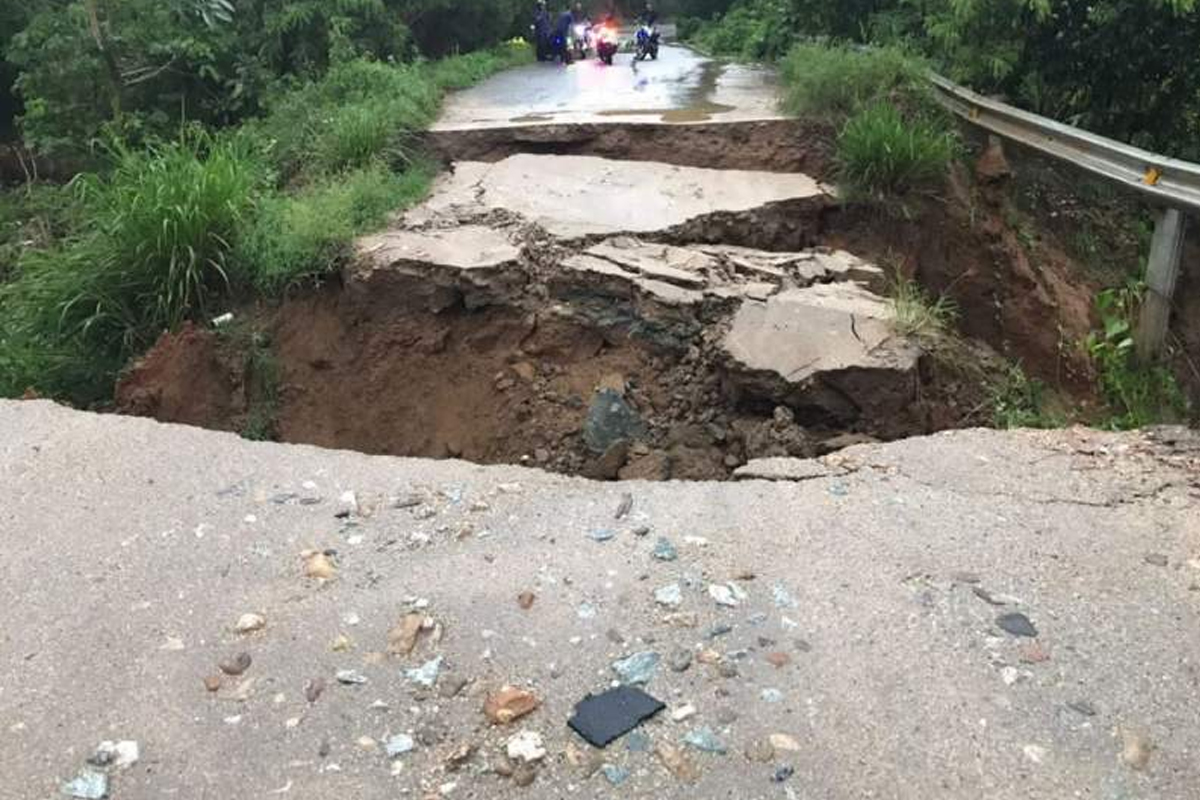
(552, 310)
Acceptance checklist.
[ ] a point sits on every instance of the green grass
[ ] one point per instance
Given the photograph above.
(834, 82)
(918, 315)
(881, 154)
(297, 236)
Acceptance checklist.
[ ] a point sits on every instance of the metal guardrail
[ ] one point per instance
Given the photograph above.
(1172, 184)
(1169, 181)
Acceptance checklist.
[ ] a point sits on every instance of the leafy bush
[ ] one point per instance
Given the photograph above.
(882, 154)
(1138, 394)
(1019, 401)
(301, 235)
(835, 81)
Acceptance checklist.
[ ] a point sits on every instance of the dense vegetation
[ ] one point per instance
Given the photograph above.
(1126, 68)
(229, 151)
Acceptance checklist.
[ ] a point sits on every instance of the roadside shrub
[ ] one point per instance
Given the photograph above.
(881, 154)
(1137, 394)
(302, 235)
(837, 81)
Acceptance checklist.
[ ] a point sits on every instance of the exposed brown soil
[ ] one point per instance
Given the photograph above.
(189, 378)
(1026, 298)
(772, 146)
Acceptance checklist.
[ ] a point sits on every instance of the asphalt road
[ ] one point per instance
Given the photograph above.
(868, 634)
(681, 86)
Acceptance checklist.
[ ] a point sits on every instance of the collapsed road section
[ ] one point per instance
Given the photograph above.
(601, 317)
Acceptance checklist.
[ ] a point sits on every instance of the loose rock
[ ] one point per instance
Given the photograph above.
(680, 660)
(601, 718)
(318, 565)
(677, 762)
(1017, 625)
(726, 594)
(664, 550)
(1157, 559)
(350, 677)
(705, 740)
(670, 596)
(212, 683)
(1136, 750)
(427, 674)
(526, 746)
(508, 704)
(314, 689)
(402, 638)
(526, 600)
(236, 665)
(399, 744)
(638, 668)
(684, 712)
(87, 785)
(625, 506)
(249, 623)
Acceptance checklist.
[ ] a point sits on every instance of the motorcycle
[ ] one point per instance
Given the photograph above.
(647, 43)
(608, 42)
(581, 41)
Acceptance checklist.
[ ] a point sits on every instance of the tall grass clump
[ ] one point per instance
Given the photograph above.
(916, 314)
(881, 154)
(834, 82)
(153, 250)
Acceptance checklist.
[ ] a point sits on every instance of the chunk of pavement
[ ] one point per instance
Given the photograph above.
(509, 703)
(832, 346)
(1016, 624)
(399, 744)
(785, 469)
(469, 251)
(87, 785)
(664, 550)
(601, 718)
(610, 419)
(729, 595)
(670, 595)
(427, 674)
(526, 746)
(638, 668)
(612, 199)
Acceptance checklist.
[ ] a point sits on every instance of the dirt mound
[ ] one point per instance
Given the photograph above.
(188, 377)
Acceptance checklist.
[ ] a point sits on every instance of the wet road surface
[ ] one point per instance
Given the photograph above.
(681, 86)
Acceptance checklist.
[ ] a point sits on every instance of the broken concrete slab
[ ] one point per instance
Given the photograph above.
(786, 469)
(438, 266)
(574, 197)
(832, 346)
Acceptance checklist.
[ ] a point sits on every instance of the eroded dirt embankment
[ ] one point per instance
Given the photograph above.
(633, 320)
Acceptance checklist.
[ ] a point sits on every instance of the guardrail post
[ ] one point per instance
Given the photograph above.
(1162, 272)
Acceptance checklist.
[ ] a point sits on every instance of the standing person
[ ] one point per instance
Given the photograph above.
(541, 30)
(562, 35)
